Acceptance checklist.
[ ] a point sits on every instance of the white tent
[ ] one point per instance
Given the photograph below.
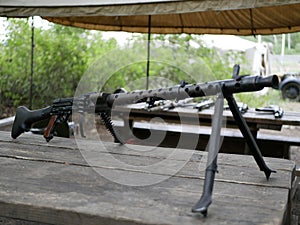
(257, 54)
(227, 42)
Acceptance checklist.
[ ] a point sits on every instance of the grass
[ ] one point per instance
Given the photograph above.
(258, 99)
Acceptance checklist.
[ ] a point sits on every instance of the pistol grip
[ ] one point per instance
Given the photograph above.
(25, 118)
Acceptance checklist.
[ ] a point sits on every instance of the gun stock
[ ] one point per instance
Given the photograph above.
(25, 118)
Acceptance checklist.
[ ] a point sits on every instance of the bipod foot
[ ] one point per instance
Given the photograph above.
(202, 205)
(268, 172)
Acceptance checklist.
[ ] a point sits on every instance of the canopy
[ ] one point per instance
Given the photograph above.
(240, 17)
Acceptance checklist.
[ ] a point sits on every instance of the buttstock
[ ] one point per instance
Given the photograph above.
(24, 119)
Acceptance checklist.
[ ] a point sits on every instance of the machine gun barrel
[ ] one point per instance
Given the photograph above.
(231, 86)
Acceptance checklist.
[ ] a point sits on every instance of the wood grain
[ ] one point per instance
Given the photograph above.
(53, 184)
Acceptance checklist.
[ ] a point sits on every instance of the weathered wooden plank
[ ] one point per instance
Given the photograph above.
(11, 221)
(59, 194)
(51, 183)
(231, 169)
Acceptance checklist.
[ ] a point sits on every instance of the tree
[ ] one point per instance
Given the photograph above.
(172, 57)
(62, 54)
(66, 57)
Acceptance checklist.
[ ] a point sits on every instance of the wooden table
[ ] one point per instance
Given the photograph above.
(255, 120)
(274, 145)
(51, 183)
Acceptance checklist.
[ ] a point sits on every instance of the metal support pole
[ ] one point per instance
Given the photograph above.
(32, 64)
(148, 52)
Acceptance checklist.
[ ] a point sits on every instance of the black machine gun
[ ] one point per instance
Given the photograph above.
(102, 104)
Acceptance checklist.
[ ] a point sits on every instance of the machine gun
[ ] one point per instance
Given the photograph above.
(102, 104)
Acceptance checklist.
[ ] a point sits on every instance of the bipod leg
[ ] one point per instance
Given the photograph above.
(211, 166)
(251, 142)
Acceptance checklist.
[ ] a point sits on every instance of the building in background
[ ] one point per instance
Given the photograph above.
(258, 55)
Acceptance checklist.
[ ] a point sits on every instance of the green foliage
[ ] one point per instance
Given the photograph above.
(11, 48)
(61, 56)
(65, 57)
(59, 63)
(256, 99)
(171, 57)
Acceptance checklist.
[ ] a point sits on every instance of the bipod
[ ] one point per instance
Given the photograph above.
(214, 145)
